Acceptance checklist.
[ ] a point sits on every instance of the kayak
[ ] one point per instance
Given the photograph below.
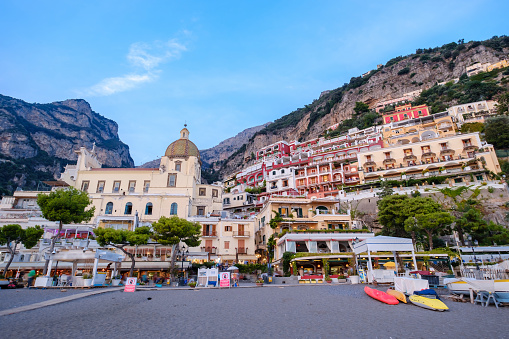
(430, 304)
(381, 296)
(397, 294)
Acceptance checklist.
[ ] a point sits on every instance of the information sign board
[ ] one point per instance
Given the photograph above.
(224, 279)
(130, 284)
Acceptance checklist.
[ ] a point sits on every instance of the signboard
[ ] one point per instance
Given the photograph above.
(130, 284)
(224, 279)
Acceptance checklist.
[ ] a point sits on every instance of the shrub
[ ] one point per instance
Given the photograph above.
(404, 71)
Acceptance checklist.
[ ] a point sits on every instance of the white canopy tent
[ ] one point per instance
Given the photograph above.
(384, 244)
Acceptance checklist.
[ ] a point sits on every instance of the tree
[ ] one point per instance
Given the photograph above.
(431, 224)
(386, 190)
(496, 131)
(65, 206)
(172, 231)
(394, 210)
(12, 235)
(122, 238)
(361, 107)
(503, 104)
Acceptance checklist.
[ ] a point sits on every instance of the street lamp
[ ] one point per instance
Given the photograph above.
(183, 252)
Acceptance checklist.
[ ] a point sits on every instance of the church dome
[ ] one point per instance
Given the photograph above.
(183, 147)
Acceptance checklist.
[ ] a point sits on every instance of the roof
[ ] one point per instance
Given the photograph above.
(183, 147)
(383, 243)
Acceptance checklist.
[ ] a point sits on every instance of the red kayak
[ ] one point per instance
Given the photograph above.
(381, 296)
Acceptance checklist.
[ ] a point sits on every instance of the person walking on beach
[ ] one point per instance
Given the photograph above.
(31, 276)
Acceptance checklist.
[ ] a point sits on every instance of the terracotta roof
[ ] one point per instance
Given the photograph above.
(183, 147)
(125, 169)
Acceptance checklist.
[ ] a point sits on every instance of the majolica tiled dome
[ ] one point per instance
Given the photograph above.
(183, 147)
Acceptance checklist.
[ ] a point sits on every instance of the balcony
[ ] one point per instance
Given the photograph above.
(210, 234)
(388, 161)
(468, 148)
(240, 234)
(428, 154)
(446, 151)
(211, 250)
(369, 163)
(241, 250)
(409, 157)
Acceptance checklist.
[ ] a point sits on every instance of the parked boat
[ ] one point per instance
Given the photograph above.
(381, 296)
(462, 286)
(397, 294)
(428, 303)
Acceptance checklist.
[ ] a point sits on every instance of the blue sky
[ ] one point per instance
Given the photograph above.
(220, 66)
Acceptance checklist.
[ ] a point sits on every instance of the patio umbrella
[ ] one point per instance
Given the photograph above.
(389, 264)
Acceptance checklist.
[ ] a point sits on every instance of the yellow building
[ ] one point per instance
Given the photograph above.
(126, 197)
(415, 130)
(454, 155)
(299, 214)
(500, 64)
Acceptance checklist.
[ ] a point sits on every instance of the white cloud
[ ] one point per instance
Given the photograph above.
(147, 56)
(114, 85)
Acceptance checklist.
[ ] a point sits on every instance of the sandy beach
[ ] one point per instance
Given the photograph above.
(337, 311)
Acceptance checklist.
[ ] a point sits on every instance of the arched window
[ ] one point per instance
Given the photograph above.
(109, 208)
(322, 210)
(173, 209)
(128, 208)
(148, 209)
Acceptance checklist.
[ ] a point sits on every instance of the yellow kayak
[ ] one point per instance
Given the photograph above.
(430, 304)
(399, 295)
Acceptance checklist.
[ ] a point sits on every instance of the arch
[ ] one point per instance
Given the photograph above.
(128, 208)
(109, 208)
(173, 209)
(415, 139)
(148, 209)
(321, 210)
(302, 227)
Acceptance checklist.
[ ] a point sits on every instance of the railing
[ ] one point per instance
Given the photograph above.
(209, 234)
(241, 233)
(211, 250)
(242, 250)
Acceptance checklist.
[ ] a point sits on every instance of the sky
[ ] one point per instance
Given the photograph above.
(219, 66)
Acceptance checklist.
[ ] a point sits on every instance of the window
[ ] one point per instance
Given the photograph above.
(116, 186)
(109, 208)
(178, 166)
(128, 208)
(132, 186)
(201, 210)
(226, 245)
(172, 180)
(202, 192)
(173, 209)
(273, 172)
(100, 187)
(148, 209)
(84, 186)
(214, 193)
(420, 113)
(285, 183)
(282, 171)
(227, 228)
(146, 186)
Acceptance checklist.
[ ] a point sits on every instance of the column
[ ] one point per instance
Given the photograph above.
(370, 268)
(50, 263)
(94, 271)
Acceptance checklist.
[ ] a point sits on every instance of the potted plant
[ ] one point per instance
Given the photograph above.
(115, 281)
(328, 280)
(403, 175)
(259, 282)
(425, 172)
(192, 284)
(87, 280)
(341, 279)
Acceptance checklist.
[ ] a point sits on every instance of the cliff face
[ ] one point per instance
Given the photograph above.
(400, 75)
(42, 138)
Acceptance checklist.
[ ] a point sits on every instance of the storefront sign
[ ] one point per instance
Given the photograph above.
(130, 284)
(224, 279)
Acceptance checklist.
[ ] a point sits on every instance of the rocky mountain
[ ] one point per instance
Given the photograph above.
(37, 140)
(422, 70)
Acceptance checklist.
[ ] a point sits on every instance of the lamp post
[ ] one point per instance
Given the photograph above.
(183, 252)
